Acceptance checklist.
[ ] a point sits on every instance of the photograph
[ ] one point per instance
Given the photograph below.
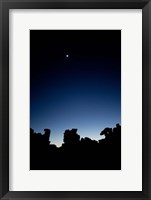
(75, 100)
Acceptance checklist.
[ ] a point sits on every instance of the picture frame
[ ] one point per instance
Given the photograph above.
(4, 100)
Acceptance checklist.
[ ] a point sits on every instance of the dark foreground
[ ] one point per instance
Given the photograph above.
(76, 153)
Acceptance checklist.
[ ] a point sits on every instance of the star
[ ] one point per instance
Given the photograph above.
(67, 55)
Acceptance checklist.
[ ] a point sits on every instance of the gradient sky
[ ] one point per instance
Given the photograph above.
(75, 81)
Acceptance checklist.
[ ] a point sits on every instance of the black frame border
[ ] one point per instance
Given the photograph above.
(5, 5)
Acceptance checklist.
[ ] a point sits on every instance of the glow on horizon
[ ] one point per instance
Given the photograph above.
(56, 139)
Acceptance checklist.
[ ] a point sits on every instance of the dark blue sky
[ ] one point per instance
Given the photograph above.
(75, 81)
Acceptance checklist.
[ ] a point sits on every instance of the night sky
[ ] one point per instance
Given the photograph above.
(75, 81)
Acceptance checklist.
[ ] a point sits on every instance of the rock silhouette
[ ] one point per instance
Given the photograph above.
(71, 137)
(76, 153)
